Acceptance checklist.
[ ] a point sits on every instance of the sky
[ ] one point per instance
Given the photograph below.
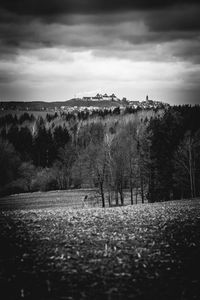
(52, 50)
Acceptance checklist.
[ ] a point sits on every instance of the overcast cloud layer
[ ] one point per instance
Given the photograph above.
(56, 49)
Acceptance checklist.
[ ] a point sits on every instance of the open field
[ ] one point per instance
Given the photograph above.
(53, 199)
(149, 251)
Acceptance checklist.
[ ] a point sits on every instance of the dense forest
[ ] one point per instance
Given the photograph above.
(151, 153)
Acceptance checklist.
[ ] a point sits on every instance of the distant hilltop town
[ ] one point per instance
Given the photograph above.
(99, 101)
(100, 97)
(111, 102)
(114, 98)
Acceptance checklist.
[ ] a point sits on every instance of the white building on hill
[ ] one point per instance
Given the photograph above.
(100, 97)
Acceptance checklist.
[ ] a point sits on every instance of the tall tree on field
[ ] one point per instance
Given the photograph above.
(185, 160)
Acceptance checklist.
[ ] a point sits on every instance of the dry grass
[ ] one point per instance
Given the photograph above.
(53, 199)
(148, 251)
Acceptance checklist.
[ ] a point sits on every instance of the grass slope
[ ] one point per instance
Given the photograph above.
(51, 199)
(148, 251)
(61, 198)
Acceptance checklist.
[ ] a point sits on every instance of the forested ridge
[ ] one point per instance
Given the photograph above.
(151, 153)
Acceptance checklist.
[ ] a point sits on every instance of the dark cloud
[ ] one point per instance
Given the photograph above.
(38, 38)
(169, 17)
(7, 77)
(117, 28)
(162, 25)
(185, 18)
(52, 7)
(187, 50)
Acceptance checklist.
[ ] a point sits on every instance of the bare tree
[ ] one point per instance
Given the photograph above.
(97, 159)
(63, 166)
(143, 158)
(130, 155)
(185, 162)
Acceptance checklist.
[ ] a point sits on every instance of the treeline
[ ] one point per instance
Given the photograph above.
(13, 119)
(151, 154)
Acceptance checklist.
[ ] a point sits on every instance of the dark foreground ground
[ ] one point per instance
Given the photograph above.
(149, 251)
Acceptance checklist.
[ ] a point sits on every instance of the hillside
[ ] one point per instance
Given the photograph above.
(43, 105)
(90, 103)
(78, 103)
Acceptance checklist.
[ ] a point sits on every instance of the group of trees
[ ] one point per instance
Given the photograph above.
(151, 155)
(174, 155)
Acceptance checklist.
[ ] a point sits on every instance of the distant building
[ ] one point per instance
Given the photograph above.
(150, 102)
(113, 97)
(100, 97)
(124, 100)
(134, 103)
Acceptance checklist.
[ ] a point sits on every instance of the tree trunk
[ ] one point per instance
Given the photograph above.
(190, 171)
(109, 198)
(193, 179)
(121, 196)
(116, 198)
(136, 194)
(152, 186)
(131, 190)
(102, 195)
(142, 188)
